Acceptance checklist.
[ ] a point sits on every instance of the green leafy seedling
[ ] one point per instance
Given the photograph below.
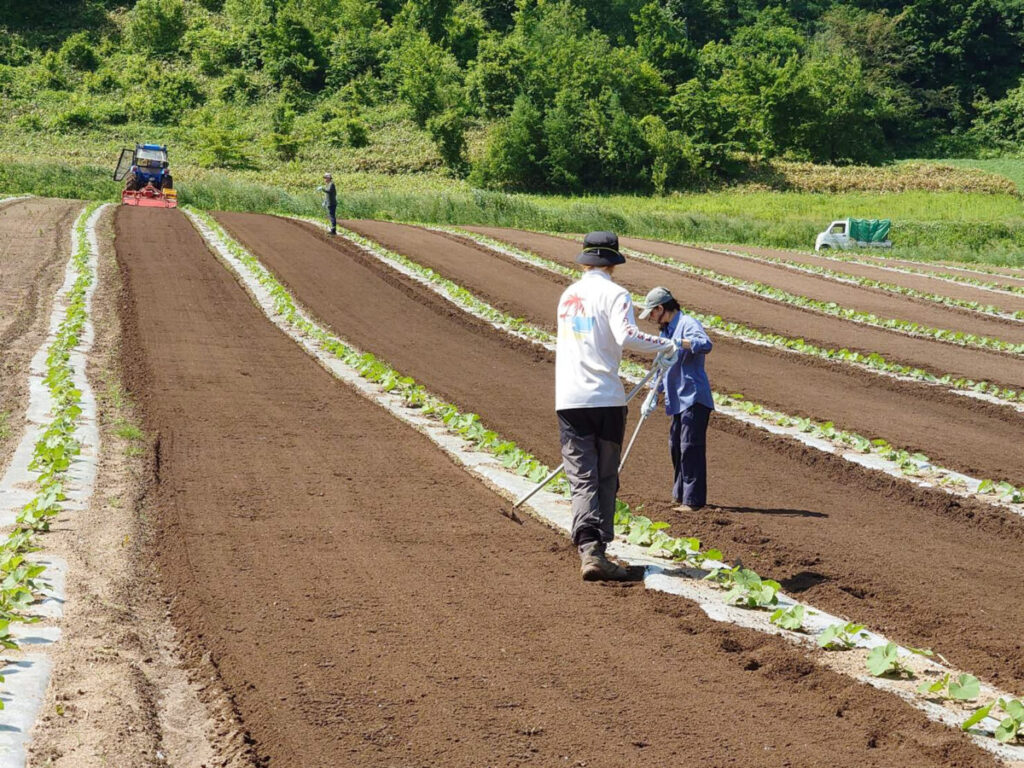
(884, 660)
(964, 688)
(840, 636)
(751, 591)
(937, 688)
(791, 618)
(977, 716)
(1011, 727)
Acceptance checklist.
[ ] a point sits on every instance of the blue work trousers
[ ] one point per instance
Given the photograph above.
(332, 216)
(687, 439)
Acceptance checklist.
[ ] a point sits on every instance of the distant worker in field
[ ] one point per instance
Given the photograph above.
(330, 202)
(595, 323)
(687, 398)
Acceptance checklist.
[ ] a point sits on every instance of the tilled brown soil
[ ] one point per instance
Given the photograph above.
(1006, 302)
(35, 244)
(708, 298)
(365, 607)
(856, 543)
(881, 303)
(979, 438)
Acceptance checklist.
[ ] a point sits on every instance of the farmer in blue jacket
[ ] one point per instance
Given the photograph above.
(687, 398)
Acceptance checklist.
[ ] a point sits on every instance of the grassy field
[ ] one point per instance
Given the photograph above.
(982, 225)
(1010, 167)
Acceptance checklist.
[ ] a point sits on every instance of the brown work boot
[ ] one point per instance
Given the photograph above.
(595, 566)
(687, 508)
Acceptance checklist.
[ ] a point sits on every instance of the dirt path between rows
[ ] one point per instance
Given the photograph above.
(706, 297)
(881, 303)
(118, 695)
(853, 542)
(1006, 302)
(364, 607)
(979, 438)
(35, 244)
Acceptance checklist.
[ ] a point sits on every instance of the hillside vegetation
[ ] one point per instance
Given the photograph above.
(532, 95)
(539, 113)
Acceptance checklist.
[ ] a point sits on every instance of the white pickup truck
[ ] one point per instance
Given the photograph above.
(855, 233)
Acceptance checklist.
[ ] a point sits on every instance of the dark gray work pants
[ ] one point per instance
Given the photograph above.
(591, 446)
(332, 216)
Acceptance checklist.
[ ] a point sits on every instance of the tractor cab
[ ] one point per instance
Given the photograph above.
(147, 177)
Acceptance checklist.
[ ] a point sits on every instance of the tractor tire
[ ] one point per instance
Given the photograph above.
(168, 182)
(131, 183)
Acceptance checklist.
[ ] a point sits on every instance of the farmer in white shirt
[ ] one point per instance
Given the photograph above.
(595, 323)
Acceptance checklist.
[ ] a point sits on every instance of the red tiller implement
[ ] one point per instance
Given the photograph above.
(150, 197)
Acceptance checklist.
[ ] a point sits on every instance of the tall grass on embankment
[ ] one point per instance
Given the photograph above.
(56, 180)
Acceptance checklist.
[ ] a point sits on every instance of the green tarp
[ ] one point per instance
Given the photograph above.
(869, 230)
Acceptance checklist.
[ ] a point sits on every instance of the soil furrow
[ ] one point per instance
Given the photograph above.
(1005, 302)
(975, 271)
(706, 297)
(821, 288)
(980, 439)
(34, 246)
(364, 607)
(833, 533)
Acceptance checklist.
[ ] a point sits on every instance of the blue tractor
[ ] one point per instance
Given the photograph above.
(147, 177)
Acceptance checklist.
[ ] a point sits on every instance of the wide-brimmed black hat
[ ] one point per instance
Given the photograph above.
(600, 249)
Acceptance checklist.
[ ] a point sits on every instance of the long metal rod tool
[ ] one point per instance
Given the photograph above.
(643, 418)
(554, 472)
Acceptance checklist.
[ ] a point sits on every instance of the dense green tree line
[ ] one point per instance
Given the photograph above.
(592, 94)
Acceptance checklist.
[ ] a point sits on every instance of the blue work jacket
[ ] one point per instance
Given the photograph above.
(686, 383)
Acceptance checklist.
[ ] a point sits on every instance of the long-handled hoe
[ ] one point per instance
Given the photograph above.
(511, 513)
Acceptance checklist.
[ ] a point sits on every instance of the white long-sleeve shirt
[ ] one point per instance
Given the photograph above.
(595, 323)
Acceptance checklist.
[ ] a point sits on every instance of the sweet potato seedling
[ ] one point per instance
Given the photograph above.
(840, 636)
(791, 618)
(751, 591)
(1011, 727)
(962, 688)
(884, 660)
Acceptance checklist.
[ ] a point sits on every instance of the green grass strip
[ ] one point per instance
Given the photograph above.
(873, 361)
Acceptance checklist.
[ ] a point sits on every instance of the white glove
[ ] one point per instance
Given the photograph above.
(667, 359)
(650, 403)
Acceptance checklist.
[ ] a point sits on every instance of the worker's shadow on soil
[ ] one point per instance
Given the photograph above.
(769, 511)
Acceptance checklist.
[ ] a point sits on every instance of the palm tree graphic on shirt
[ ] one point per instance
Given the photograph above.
(574, 311)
